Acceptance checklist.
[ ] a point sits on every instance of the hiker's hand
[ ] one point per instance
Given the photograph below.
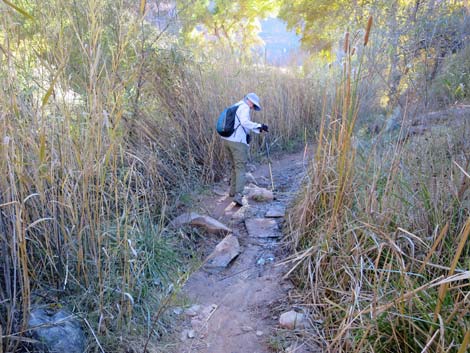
(264, 127)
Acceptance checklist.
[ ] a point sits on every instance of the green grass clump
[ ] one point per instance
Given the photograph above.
(452, 84)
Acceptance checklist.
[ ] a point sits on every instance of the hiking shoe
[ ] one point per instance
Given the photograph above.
(238, 199)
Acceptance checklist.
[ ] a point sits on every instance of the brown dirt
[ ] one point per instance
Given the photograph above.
(236, 304)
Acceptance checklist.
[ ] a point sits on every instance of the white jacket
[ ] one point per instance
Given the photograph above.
(243, 124)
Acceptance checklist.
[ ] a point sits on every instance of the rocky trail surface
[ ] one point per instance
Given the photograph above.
(234, 295)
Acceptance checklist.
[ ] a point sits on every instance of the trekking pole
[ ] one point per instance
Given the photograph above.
(269, 160)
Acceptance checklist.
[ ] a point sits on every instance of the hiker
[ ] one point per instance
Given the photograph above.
(237, 143)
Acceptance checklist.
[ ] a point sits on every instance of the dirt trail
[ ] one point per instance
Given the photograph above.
(233, 306)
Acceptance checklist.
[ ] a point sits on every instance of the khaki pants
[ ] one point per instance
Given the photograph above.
(238, 156)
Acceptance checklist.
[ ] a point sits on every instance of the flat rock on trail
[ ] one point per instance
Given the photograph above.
(231, 310)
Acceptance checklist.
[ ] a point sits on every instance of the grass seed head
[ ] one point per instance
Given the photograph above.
(369, 26)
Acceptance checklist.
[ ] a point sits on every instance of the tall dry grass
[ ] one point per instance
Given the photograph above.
(83, 203)
(104, 123)
(380, 237)
(195, 97)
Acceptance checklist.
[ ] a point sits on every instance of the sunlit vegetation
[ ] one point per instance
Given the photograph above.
(107, 111)
(105, 123)
(380, 230)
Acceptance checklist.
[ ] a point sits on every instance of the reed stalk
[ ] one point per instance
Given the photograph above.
(376, 279)
(103, 128)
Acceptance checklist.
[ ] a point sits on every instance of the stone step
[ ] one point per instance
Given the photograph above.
(210, 224)
(262, 228)
(276, 211)
(227, 250)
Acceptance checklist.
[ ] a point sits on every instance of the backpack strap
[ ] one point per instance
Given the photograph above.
(239, 124)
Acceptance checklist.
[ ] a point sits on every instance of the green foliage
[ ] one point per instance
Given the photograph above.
(452, 84)
(225, 24)
(321, 22)
(409, 49)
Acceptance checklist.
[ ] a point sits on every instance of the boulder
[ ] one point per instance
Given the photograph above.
(59, 332)
(292, 320)
(224, 252)
(259, 194)
(208, 223)
(262, 228)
